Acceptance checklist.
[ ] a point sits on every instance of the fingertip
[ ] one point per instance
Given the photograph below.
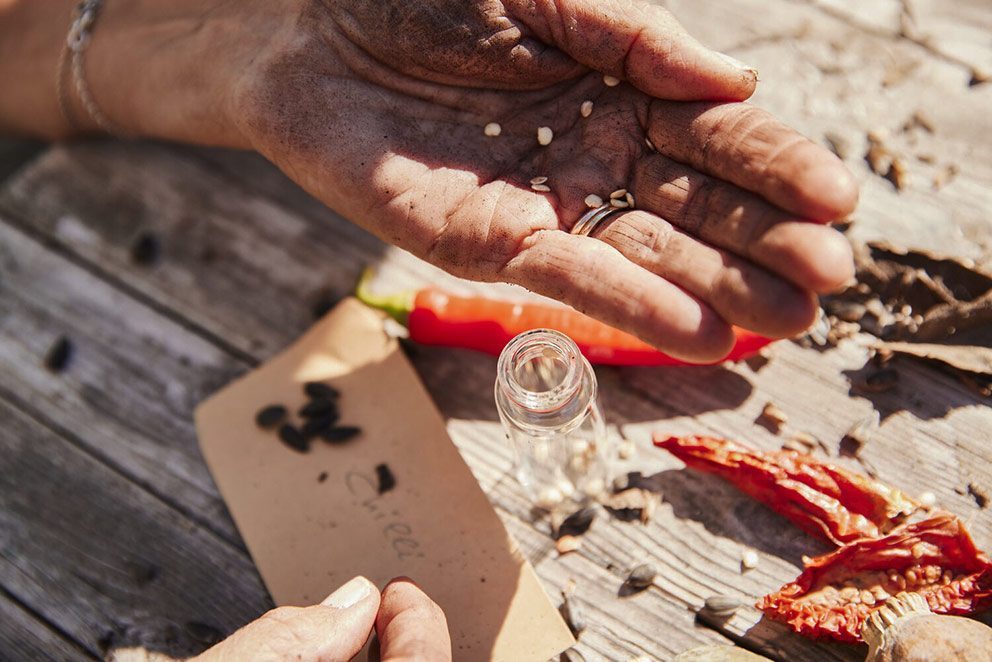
(698, 336)
(815, 257)
(832, 264)
(829, 187)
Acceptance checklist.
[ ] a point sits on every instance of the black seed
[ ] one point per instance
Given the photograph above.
(387, 480)
(203, 633)
(145, 249)
(320, 390)
(577, 523)
(319, 407)
(314, 426)
(322, 477)
(271, 416)
(59, 354)
(292, 438)
(642, 576)
(341, 434)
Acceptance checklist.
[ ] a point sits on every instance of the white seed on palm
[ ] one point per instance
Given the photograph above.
(647, 141)
(545, 135)
(593, 201)
(541, 188)
(630, 199)
(492, 129)
(610, 81)
(619, 203)
(586, 108)
(619, 193)
(539, 180)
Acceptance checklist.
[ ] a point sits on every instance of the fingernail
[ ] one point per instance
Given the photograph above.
(737, 64)
(350, 594)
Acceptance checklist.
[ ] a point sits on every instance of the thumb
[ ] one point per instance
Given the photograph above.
(638, 42)
(411, 626)
(333, 631)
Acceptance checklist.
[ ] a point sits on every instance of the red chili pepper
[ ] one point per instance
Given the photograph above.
(434, 317)
(835, 593)
(821, 498)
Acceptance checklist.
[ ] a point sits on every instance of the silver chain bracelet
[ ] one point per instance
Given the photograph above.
(71, 63)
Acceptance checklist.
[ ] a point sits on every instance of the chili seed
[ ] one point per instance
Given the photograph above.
(585, 109)
(721, 605)
(293, 438)
(566, 544)
(928, 500)
(387, 480)
(578, 522)
(619, 204)
(630, 199)
(539, 180)
(545, 135)
(979, 494)
(320, 390)
(271, 416)
(593, 201)
(145, 249)
(749, 559)
(58, 355)
(314, 426)
(642, 576)
(340, 434)
(492, 130)
(610, 81)
(319, 407)
(540, 188)
(619, 193)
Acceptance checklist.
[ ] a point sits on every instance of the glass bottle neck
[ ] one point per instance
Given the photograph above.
(543, 382)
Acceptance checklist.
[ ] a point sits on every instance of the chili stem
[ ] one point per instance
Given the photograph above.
(398, 306)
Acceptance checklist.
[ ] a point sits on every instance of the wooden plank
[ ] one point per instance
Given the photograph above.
(128, 391)
(108, 562)
(24, 637)
(14, 153)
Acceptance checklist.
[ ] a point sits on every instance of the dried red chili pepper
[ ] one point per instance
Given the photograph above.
(935, 558)
(821, 498)
(434, 317)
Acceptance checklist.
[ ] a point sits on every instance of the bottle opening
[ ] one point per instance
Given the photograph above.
(541, 370)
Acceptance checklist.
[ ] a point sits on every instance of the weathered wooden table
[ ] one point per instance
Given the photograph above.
(111, 530)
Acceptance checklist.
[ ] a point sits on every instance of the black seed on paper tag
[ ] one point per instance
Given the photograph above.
(319, 407)
(293, 438)
(387, 480)
(145, 249)
(58, 355)
(320, 391)
(271, 416)
(318, 425)
(341, 434)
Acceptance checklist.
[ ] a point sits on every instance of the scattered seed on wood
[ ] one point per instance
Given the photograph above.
(619, 193)
(627, 449)
(979, 494)
(145, 249)
(859, 434)
(318, 425)
(270, 416)
(58, 355)
(839, 144)
(573, 614)
(610, 81)
(922, 120)
(879, 159)
(539, 180)
(293, 438)
(772, 417)
(567, 544)
(928, 500)
(632, 504)
(578, 522)
(492, 129)
(387, 480)
(545, 135)
(320, 390)
(898, 173)
(944, 176)
(593, 201)
(619, 204)
(722, 605)
(541, 188)
(642, 576)
(319, 407)
(585, 109)
(749, 560)
(340, 434)
(322, 477)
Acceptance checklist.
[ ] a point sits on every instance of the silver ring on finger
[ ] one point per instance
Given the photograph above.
(593, 218)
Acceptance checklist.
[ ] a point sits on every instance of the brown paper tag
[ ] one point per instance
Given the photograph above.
(308, 536)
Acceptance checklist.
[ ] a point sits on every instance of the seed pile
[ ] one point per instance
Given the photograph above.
(319, 418)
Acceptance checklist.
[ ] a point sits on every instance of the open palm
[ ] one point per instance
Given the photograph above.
(378, 108)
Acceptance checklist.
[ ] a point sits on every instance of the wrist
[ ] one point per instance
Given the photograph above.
(167, 70)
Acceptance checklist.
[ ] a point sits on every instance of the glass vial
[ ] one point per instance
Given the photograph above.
(547, 401)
